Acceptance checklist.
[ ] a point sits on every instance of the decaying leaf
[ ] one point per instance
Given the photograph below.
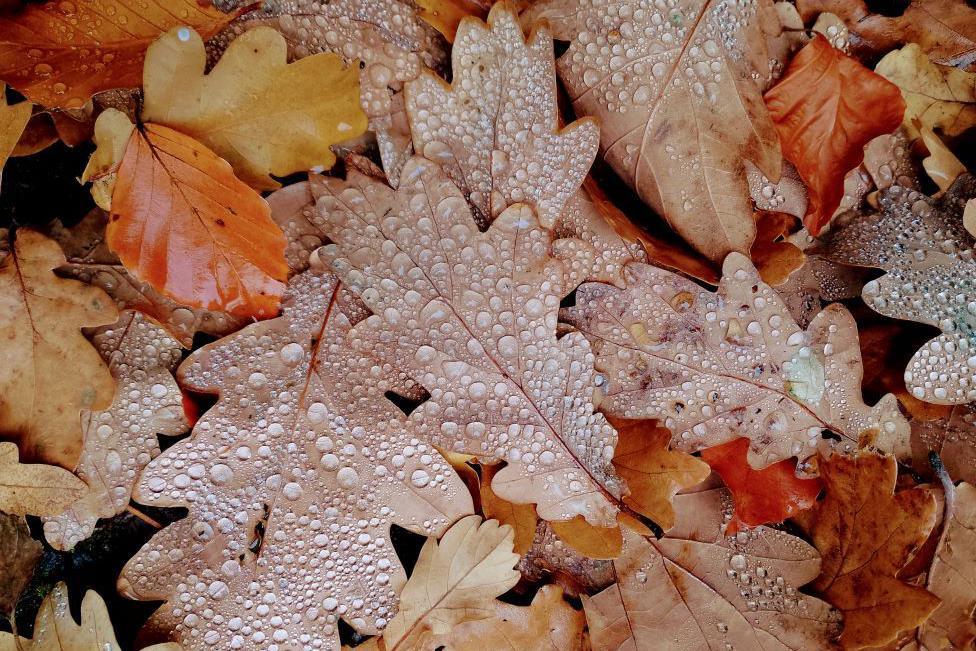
(866, 532)
(292, 481)
(675, 89)
(62, 53)
(261, 114)
(716, 366)
(697, 589)
(40, 324)
(13, 120)
(520, 517)
(953, 438)
(826, 107)
(35, 488)
(923, 246)
(20, 554)
(471, 316)
(56, 630)
(121, 440)
(766, 496)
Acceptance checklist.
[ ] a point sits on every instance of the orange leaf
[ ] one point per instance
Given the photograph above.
(59, 54)
(182, 222)
(761, 496)
(595, 542)
(774, 257)
(826, 108)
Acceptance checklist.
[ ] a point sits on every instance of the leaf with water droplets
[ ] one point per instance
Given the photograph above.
(59, 54)
(121, 440)
(471, 316)
(292, 480)
(40, 324)
(35, 488)
(696, 589)
(952, 437)
(675, 88)
(927, 253)
(716, 366)
(20, 554)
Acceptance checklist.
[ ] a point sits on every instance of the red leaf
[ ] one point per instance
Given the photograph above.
(761, 496)
(826, 108)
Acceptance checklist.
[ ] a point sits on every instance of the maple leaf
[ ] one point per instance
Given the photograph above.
(56, 630)
(182, 222)
(40, 324)
(952, 437)
(826, 107)
(61, 53)
(695, 588)
(121, 440)
(20, 554)
(472, 317)
(716, 366)
(13, 121)
(679, 108)
(923, 246)
(765, 496)
(35, 488)
(292, 482)
(263, 115)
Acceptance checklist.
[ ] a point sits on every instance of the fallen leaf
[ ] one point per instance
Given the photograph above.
(182, 222)
(13, 121)
(297, 474)
(941, 164)
(121, 440)
(56, 630)
(653, 472)
(446, 15)
(766, 496)
(551, 560)
(20, 554)
(788, 196)
(261, 114)
(952, 437)
(40, 324)
(712, 367)
(520, 517)
(773, 254)
(600, 543)
(680, 109)
(59, 54)
(34, 488)
(697, 589)
(866, 532)
(969, 217)
(826, 108)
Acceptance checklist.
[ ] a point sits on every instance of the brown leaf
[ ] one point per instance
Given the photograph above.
(952, 437)
(121, 440)
(62, 53)
(446, 15)
(866, 532)
(716, 366)
(550, 559)
(40, 324)
(20, 554)
(600, 543)
(773, 254)
(34, 488)
(13, 121)
(520, 517)
(294, 477)
(680, 109)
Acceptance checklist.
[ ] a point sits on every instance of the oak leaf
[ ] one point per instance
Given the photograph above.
(292, 479)
(774, 255)
(679, 108)
(520, 517)
(599, 543)
(35, 488)
(121, 440)
(695, 588)
(59, 54)
(866, 531)
(40, 324)
(261, 114)
(826, 107)
(13, 121)
(20, 555)
(712, 367)
(446, 15)
(472, 317)
(552, 560)
(766, 496)
(952, 437)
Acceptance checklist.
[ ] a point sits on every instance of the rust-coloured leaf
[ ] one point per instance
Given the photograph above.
(292, 481)
(716, 366)
(50, 372)
(20, 554)
(59, 54)
(35, 488)
(697, 589)
(826, 108)
(675, 89)
(121, 440)
(766, 496)
(866, 532)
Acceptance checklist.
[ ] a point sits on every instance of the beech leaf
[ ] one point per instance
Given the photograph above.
(35, 488)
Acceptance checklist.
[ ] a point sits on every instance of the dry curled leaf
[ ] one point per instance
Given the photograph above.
(35, 488)
(292, 481)
(471, 316)
(716, 366)
(826, 107)
(59, 54)
(866, 531)
(20, 554)
(40, 324)
(121, 440)
(923, 246)
(697, 589)
(675, 90)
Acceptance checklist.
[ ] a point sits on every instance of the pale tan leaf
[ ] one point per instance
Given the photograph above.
(35, 488)
(941, 164)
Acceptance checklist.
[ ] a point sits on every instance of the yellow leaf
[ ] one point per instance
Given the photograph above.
(265, 116)
(35, 488)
